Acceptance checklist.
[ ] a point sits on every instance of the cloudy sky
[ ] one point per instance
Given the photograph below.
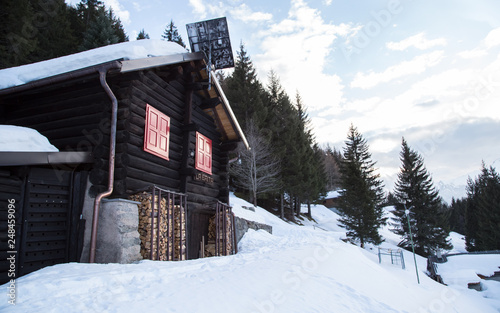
(426, 70)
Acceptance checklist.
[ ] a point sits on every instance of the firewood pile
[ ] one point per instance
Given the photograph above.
(178, 244)
(210, 247)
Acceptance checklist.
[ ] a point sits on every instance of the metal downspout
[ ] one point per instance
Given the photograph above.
(111, 170)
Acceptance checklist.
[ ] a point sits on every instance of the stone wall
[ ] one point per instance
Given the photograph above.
(242, 225)
(118, 237)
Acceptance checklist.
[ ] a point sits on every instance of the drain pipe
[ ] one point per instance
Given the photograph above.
(111, 171)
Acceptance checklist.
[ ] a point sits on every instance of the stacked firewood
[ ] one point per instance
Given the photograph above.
(210, 246)
(178, 244)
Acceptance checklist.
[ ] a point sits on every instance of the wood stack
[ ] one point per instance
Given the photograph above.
(178, 220)
(210, 247)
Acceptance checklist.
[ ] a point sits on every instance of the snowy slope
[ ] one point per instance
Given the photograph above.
(297, 269)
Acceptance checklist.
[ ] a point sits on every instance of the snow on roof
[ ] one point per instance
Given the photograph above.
(130, 50)
(333, 194)
(16, 138)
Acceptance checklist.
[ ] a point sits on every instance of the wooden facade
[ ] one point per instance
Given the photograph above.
(74, 113)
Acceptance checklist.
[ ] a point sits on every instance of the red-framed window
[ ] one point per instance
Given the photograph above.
(203, 159)
(156, 132)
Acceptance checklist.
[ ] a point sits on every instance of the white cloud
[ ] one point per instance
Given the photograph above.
(415, 66)
(137, 6)
(472, 54)
(296, 48)
(493, 38)
(198, 8)
(118, 10)
(327, 2)
(418, 41)
(202, 10)
(245, 14)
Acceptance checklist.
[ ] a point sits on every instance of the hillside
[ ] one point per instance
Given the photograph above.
(296, 269)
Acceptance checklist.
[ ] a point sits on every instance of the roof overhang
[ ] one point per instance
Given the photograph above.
(20, 158)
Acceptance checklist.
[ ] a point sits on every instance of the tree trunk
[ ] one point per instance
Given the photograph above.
(309, 208)
(282, 207)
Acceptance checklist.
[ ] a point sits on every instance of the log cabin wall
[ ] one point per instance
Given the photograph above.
(75, 115)
(141, 169)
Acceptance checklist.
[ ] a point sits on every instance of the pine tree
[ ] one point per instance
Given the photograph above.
(55, 36)
(312, 181)
(483, 211)
(172, 34)
(245, 92)
(98, 26)
(414, 191)
(117, 27)
(142, 35)
(361, 192)
(457, 219)
(100, 32)
(283, 128)
(18, 34)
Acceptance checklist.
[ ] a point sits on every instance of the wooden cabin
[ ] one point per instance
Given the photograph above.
(174, 130)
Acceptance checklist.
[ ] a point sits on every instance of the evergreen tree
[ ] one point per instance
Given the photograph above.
(18, 34)
(457, 212)
(483, 211)
(313, 179)
(361, 192)
(142, 35)
(98, 26)
(283, 129)
(100, 32)
(117, 26)
(171, 34)
(245, 92)
(55, 36)
(414, 191)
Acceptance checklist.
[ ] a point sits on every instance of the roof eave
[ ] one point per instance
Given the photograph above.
(227, 108)
(151, 62)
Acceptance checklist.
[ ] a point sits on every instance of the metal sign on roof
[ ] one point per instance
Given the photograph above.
(212, 37)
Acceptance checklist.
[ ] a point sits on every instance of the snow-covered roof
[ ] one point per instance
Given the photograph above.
(333, 194)
(132, 56)
(15, 138)
(130, 50)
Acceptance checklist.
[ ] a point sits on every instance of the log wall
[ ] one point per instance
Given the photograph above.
(76, 117)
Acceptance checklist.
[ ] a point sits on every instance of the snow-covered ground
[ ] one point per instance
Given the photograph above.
(296, 269)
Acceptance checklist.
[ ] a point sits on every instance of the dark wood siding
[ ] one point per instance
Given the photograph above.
(75, 116)
(11, 187)
(48, 208)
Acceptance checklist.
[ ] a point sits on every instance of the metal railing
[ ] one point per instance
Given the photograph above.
(175, 203)
(396, 256)
(223, 217)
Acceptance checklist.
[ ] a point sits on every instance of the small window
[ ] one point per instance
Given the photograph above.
(156, 132)
(203, 154)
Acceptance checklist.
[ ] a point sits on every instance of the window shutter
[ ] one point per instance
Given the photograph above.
(203, 160)
(156, 132)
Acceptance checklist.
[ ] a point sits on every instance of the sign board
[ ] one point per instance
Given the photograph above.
(212, 37)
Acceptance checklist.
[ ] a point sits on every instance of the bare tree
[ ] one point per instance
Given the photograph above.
(257, 169)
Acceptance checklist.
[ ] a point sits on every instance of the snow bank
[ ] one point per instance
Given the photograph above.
(16, 138)
(297, 269)
(127, 50)
(462, 269)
